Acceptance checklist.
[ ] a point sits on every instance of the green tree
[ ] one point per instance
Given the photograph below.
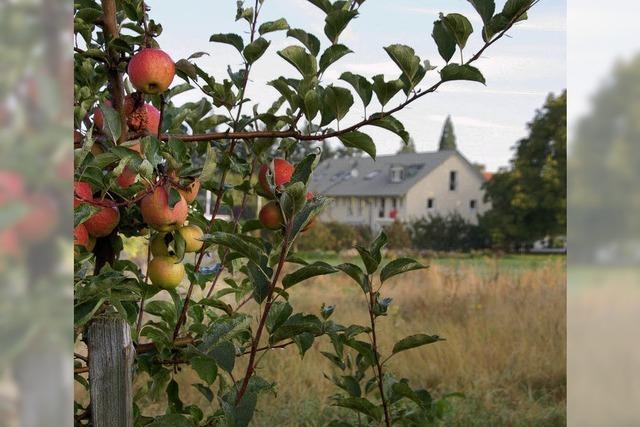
(529, 199)
(409, 147)
(448, 136)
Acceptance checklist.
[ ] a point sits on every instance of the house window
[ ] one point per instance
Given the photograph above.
(473, 204)
(453, 180)
(381, 211)
(431, 202)
(397, 174)
(394, 203)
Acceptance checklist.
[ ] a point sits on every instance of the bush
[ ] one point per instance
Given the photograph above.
(333, 236)
(399, 236)
(448, 233)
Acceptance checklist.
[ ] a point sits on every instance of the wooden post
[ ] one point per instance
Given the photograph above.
(111, 356)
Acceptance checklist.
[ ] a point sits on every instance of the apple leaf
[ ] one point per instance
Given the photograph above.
(336, 21)
(360, 141)
(332, 54)
(339, 100)
(399, 266)
(278, 25)
(414, 341)
(444, 40)
(309, 40)
(459, 26)
(253, 51)
(297, 56)
(111, 121)
(229, 38)
(386, 90)
(360, 84)
(461, 72)
(318, 268)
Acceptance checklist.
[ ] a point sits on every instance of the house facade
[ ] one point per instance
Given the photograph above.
(401, 187)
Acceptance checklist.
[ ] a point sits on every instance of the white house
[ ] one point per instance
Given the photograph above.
(400, 187)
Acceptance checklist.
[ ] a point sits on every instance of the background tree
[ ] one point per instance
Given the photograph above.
(604, 172)
(448, 136)
(529, 199)
(409, 147)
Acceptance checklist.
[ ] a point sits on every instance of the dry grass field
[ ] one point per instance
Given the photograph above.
(504, 321)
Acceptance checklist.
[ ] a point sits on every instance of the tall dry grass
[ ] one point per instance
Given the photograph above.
(505, 345)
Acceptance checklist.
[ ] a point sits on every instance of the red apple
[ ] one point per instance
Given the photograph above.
(103, 222)
(151, 71)
(39, 222)
(192, 191)
(282, 173)
(270, 216)
(81, 236)
(81, 192)
(159, 215)
(145, 116)
(127, 178)
(11, 186)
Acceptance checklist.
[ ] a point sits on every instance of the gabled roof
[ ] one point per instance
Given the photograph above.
(361, 176)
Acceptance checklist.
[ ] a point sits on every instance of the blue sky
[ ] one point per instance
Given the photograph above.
(520, 70)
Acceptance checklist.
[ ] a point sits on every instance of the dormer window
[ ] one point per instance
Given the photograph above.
(397, 174)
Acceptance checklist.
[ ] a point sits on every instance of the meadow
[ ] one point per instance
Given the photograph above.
(504, 320)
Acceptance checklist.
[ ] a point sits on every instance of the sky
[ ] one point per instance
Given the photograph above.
(520, 70)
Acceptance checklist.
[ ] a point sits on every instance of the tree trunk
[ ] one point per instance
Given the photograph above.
(111, 356)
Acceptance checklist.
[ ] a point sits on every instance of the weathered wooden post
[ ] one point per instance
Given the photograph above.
(111, 355)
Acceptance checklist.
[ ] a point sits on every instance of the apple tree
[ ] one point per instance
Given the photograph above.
(213, 293)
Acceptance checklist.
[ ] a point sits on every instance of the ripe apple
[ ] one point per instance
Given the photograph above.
(158, 245)
(192, 191)
(81, 236)
(41, 218)
(159, 215)
(166, 272)
(282, 173)
(270, 216)
(192, 235)
(103, 222)
(151, 71)
(81, 192)
(11, 186)
(127, 178)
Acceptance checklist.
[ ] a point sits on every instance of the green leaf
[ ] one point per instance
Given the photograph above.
(303, 169)
(360, 84)
(311, 104)
(187, 68)
(444, 40)
(83, 312)
(298, 57)
(485, 9)
(368, 260)
(332, 54)
(163, 309)
(259, 280)
(268, 27)
(360, 404)
(224, 354)
(359, 140)
(336, 21)
(279, 313)
(391, 124)
(399, 266)
(356, 274)
(385, 90)
(83, 212)
(405, 58)
(414, 341)
(111, 121)
(324, 5)
(296, 325)
(339, 100)
(310, 210)
(229, 38)
(206, 368)
(378, 244)
(253, 51)
(516, 8)
(318, 268)
(459, 26)
(309, 40)
(236, 243)
(461, 72)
